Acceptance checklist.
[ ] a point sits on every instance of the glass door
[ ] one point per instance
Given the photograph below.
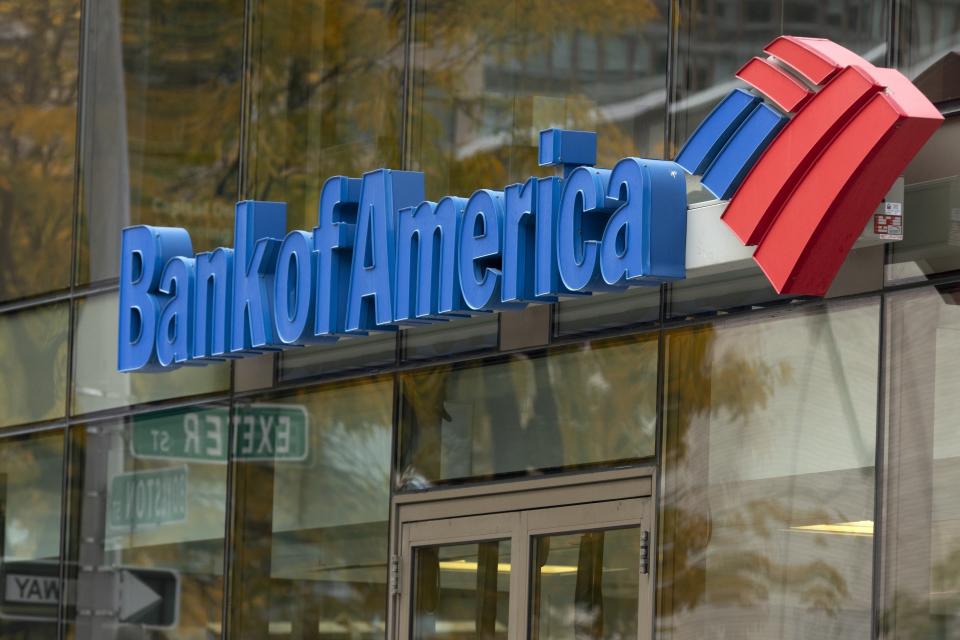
(577, 572)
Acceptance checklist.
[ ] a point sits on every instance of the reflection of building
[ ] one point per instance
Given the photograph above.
(701, 460)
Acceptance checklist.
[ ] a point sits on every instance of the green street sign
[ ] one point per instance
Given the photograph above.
(261, 432)
(152, 497)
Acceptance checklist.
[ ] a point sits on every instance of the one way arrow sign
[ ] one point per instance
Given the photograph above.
(31, 590)
(149, 597)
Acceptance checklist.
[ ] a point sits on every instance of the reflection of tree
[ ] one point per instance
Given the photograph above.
(30, 475)
(38, 54)
(326, 96)
(33, 344)
(931, 614)
(481, 79)
(327, 89)
(592, 403)
(736, 527)
(179, 102)
(312, 535)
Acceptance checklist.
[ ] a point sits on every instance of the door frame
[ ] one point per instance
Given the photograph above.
(508, 498)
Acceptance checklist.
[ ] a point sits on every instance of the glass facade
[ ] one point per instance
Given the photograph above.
(768, 497)
(805, 452)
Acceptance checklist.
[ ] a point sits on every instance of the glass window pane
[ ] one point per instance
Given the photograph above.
(724, 292)
(31, 477)
(461, 592)
(929, 35)
(367, 353)
(97, 384)
(767, 515)
(586, 585)
(460, 336)
(922, 549)
(527, 412)
(38, 55)
(488, 76)
(929, 39)
(149, 498)
(326, 96)
(311, 538)
(33, 364)
(931, 203)
(161, 124)
(635, 307)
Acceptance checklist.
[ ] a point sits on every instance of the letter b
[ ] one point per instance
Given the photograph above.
(143, 254)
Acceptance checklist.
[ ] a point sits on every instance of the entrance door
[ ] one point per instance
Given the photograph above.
(577, 571)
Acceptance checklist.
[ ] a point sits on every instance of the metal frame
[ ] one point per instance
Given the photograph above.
(517, 510)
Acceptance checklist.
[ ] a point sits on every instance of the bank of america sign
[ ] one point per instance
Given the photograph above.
(798, 165)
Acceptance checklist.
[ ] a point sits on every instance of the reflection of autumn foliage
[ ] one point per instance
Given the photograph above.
(591, 403)
(312, 535)
(38, 58)
(30, 477)
(179, 104)
(33, 344)
(326, 97)
(327, 90)
(926, 612)
(722, 542)
(475, 76)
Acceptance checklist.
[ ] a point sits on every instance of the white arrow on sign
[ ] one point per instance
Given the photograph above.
(135, 596)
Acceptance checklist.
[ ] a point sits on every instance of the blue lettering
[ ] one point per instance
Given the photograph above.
(583, 215)
(427, 284)
(382, 195)
(380, 255)
(257, 231)
(213, 304)
(639, 247)
(294, 289)
(143, 253)
(176, 329)
(333, 245)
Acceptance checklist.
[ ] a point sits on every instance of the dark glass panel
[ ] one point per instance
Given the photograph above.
(148, 508)
(525, 412)
(161, 123)
(636, 307)
(311, 530)
(929, 36)
(931, 211)
(349, 355)
(38, 114)
(462, 591)
(768, 498)
(448, 338)
(31, 480)
(33, 364)
(586, 585)
(921, 561)
(929, 54)
(488, 76)
(326, 96)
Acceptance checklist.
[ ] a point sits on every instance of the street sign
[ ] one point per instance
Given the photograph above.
(261, 432)
(149, 597)
(146, 498)
(31, 590)
(142, 596)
